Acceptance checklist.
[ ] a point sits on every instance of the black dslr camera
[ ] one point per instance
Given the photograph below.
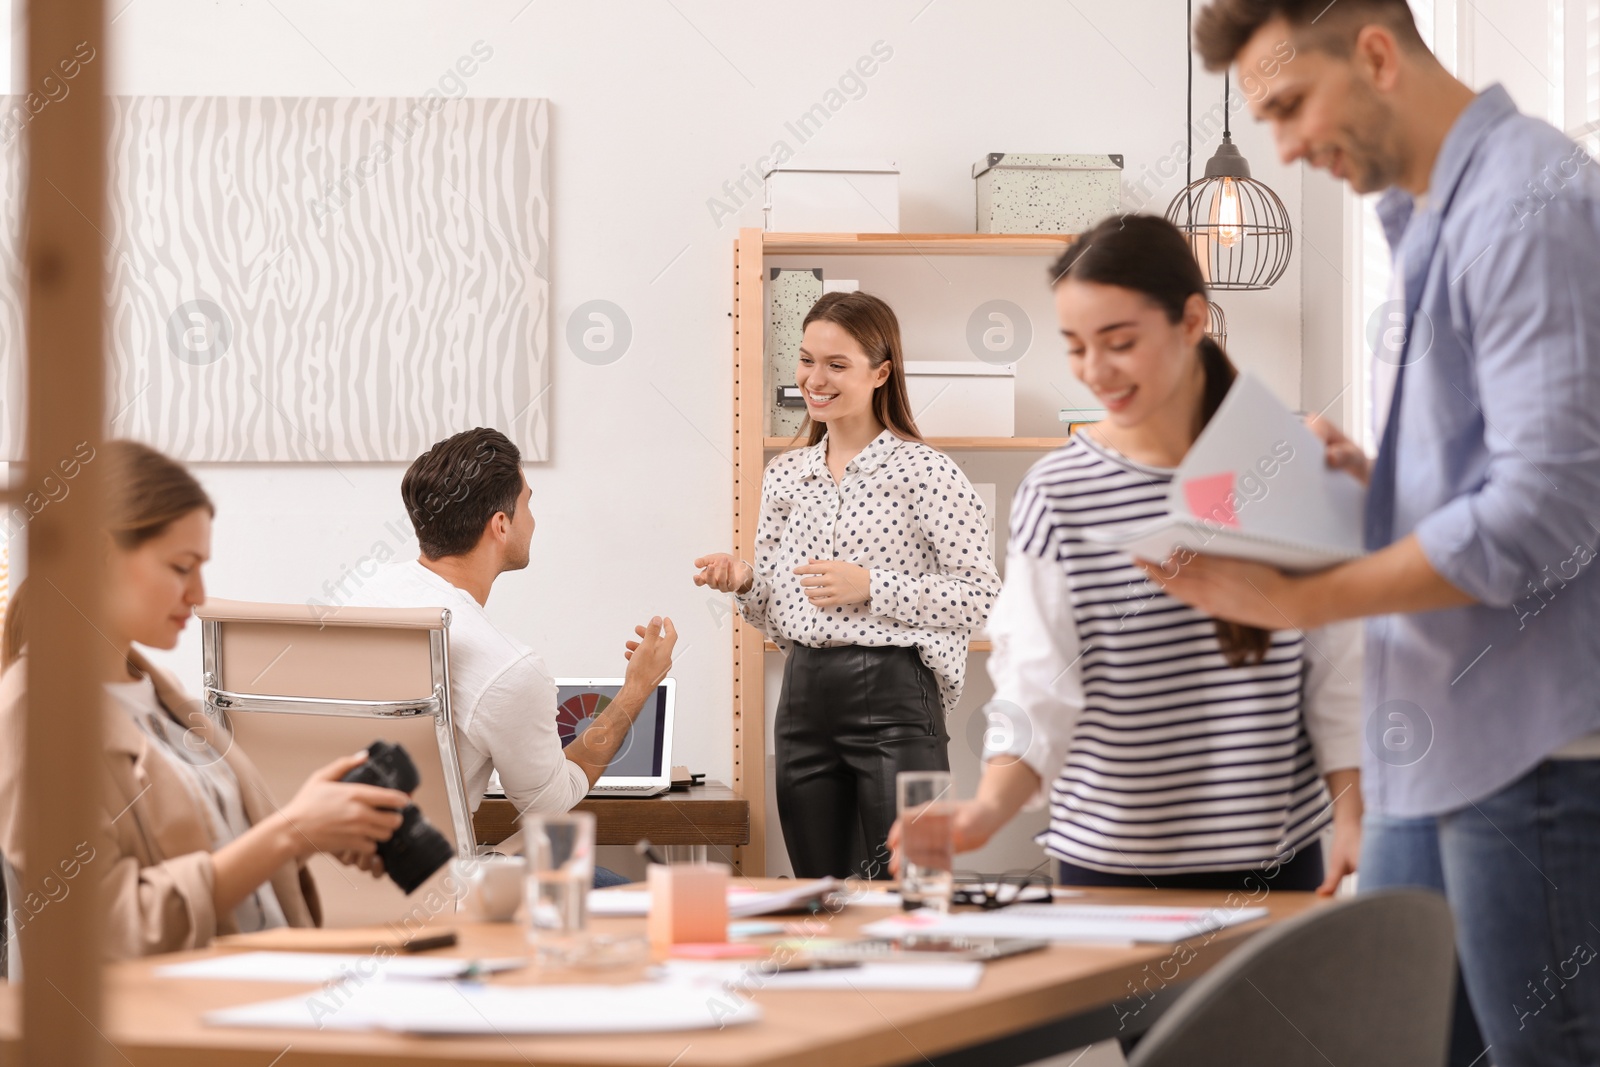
(416, 849)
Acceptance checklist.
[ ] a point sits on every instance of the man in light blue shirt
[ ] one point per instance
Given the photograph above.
(1482, 775)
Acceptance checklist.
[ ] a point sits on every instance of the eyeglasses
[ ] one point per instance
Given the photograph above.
(991, 892)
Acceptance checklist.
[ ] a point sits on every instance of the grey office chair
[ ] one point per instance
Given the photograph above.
(7, 934)
(1368, 981)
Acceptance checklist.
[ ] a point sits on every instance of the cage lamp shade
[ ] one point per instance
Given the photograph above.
(1216, 324)
(1237, 226)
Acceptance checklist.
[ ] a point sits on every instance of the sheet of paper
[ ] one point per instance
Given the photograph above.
(1255, 470)
(929, 976)
(873, 898)
(619, 902)
(469, 1008)
(1158, 540)
(1282, 486)
(322, 967)
(1083, 923)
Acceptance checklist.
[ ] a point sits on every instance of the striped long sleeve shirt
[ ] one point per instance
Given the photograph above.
(1157, 756)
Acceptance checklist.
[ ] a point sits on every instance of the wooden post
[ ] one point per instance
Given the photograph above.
(64, 271)
(749, 460)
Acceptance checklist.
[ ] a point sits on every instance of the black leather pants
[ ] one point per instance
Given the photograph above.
(849, 719)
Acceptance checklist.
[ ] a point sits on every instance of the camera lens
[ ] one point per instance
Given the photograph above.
(417, 848)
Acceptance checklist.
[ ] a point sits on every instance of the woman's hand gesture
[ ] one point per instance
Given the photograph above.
(724, 573)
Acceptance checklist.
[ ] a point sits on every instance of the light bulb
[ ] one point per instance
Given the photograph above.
(1229, 218)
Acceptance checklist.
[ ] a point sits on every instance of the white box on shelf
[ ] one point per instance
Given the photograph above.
(1046, 193)
(962, 398)
(833, 198)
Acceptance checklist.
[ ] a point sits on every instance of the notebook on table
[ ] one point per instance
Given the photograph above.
(642, 766)
(1253, 486)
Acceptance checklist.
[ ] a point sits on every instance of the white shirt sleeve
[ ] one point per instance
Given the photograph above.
(1332, 699)
(1038, 685)
(515, 726)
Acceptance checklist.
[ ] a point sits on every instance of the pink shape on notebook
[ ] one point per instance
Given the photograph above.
(1211, 498)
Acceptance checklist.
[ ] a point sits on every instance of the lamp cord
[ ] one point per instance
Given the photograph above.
(1225, 108)
(1188, 51)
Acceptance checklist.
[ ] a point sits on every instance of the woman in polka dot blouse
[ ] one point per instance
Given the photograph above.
(872, 568)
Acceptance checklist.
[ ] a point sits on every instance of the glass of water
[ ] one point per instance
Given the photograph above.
(560, 851)
(927, 808)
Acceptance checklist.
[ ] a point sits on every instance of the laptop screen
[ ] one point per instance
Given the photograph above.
(641, 752)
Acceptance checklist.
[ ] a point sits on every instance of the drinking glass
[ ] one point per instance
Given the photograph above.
(560, 852)
(926, 806)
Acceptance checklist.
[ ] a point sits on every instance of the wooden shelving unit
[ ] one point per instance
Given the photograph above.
(911, 244)
(751, 446)
(953, 444)
(972, 646)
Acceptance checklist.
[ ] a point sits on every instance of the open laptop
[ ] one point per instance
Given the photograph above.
(642, 766)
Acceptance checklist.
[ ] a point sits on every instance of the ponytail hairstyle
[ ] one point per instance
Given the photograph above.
(872, 325)
(1147, 254)
(145, 493)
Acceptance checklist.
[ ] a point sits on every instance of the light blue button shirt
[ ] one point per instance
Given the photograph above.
(1491, 456)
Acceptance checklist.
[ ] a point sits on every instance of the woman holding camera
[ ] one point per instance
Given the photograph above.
(189, 845)
(872, 568)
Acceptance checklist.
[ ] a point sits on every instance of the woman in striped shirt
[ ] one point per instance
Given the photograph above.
(1176, 750)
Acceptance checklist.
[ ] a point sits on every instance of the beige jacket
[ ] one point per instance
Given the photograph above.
(150, 849)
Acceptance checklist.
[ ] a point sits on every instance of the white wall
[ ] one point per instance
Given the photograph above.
(654, 107)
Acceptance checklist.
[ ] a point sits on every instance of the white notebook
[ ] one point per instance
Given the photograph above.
(1085, 923)
(1254, 486)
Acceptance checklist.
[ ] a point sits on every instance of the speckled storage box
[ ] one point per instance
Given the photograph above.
(790, 296)
(1046, 194)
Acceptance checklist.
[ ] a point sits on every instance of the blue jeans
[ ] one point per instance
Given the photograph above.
(604, 877)
(1521, 870)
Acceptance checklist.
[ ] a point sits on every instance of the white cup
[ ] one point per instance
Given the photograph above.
(490, 887)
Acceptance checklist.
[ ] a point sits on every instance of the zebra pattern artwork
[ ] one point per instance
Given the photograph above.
(315, 279)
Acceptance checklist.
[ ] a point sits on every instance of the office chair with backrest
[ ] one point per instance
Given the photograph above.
(10, 959)
(300, 686)
(1367, 981)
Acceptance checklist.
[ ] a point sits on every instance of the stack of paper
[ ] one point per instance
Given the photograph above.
(467, 1008)
(742, 902)
(1095, 924)
(1255, 485)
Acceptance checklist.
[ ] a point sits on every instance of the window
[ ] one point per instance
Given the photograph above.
(1571, 72)
(1370, 283)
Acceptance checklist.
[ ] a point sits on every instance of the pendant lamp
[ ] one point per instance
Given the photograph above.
(1237, 226)
(1217, 324)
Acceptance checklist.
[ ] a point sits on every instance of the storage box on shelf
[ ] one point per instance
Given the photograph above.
(854, 196)
(1046, 193)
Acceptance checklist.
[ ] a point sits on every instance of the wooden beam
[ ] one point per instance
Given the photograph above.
(749, 458)
(64, 271)
(916, 244)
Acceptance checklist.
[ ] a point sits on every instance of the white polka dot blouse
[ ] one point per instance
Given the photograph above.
(905, 512)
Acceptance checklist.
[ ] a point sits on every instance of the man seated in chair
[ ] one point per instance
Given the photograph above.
(468, 502)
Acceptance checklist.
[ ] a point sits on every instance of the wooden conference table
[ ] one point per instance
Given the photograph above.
(1025, 1008)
